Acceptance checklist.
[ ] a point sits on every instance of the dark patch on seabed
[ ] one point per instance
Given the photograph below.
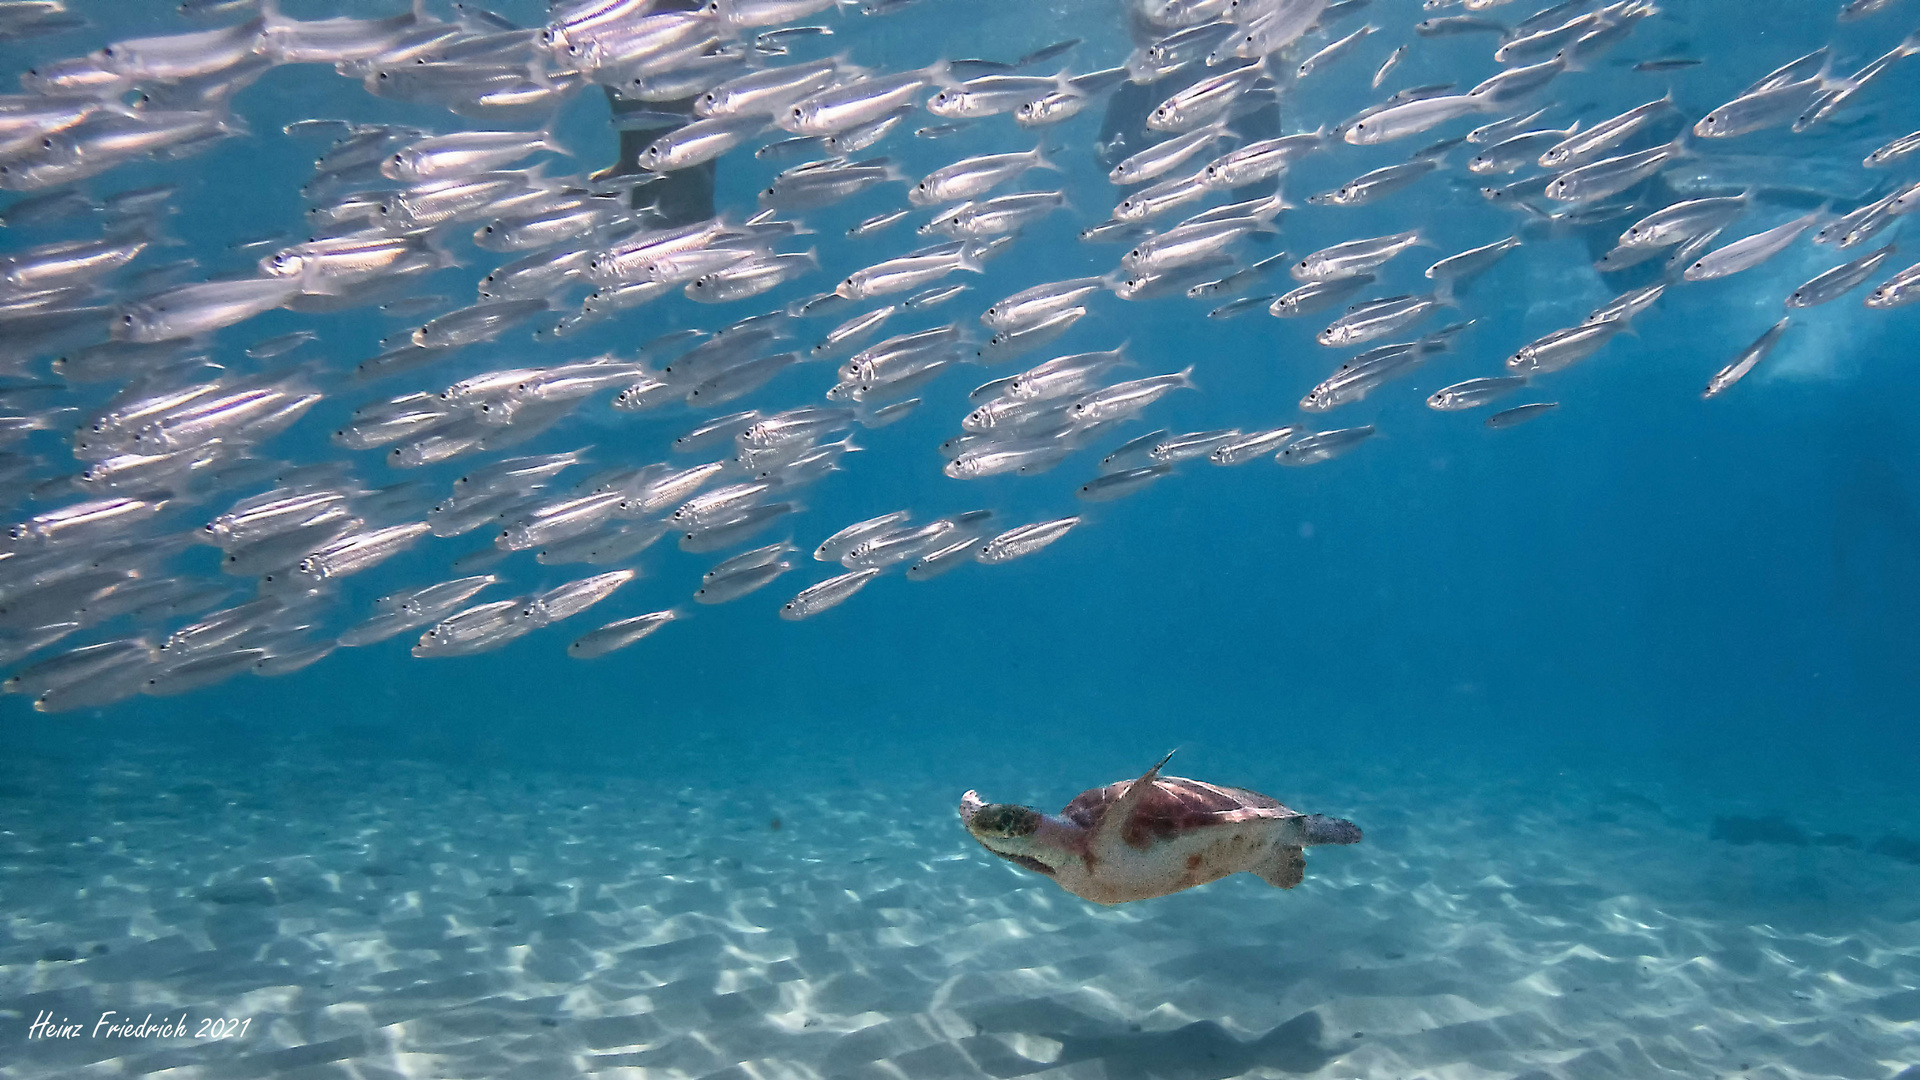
(390, 918)
(1734, 829)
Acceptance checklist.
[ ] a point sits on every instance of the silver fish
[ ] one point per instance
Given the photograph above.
(844, 108)
(1473, 393)
(1324, 446)
(830, 593)
(1118, 485)
(1260, 160)
(1750, 251)
(1201, 102)
(1333, 51)
(1563, 348)
(834, 547)
(1762, 109)
(1611, 176)
(191, 310)
(1316, 296)
(1372, 186)
(1165, 156)
(1378, 319)
(1513, 153)
(1839, 281)
(1624, 307)
(972, 176)
(1024, 540)
(1582, 148)
(1246, 448)
(1893, 151)
(1354, 257)
(1409, 118)
(1520, 414)
(1902, 289)
(1455, 270)
(1682, 221)
(1725, 378)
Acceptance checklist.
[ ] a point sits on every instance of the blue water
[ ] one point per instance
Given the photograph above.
(1706, 604)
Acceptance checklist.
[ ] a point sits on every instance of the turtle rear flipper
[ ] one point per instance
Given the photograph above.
(1283, 868)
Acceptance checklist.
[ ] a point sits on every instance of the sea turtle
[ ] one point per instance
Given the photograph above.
(1143, 838)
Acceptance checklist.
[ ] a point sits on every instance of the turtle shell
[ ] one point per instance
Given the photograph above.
(1174, 806)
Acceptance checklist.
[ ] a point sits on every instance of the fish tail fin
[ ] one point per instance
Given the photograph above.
(1046, 53)
(550, 143)
(1185, 376)
(1538, 220)
(439, 245)
(886, 415)
(1043, 158)
(940, 73)
(146, 227)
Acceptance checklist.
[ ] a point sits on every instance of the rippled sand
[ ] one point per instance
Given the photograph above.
(408, 919)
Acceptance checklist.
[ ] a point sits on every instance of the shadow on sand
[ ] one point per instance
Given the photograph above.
(1202, 1050)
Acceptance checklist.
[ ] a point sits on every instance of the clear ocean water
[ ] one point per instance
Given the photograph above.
(1623, 697)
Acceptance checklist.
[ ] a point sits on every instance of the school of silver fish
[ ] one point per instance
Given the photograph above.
(139, 413)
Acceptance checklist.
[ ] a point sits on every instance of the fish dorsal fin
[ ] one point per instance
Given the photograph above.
(1122, 809)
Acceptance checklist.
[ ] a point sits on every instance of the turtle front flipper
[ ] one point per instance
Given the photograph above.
(1113, 823)
(1283, 867)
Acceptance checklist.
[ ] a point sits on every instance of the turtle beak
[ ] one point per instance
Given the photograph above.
(970, 804)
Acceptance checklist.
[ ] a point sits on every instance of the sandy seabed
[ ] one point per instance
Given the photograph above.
(401, 919)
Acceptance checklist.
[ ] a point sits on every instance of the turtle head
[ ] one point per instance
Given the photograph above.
(1004, 821)
(1009, 831)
